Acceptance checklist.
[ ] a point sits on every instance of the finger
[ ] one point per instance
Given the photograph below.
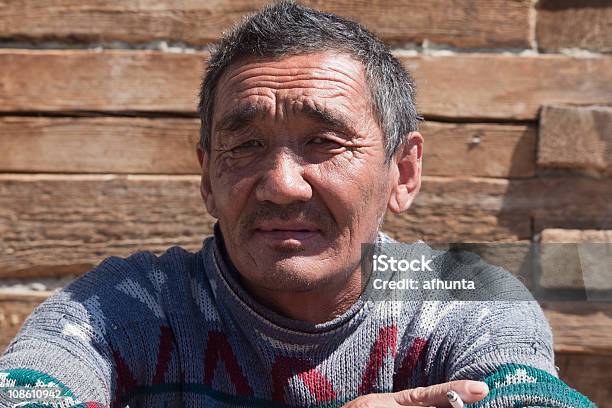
(469, 391)
(379, 400)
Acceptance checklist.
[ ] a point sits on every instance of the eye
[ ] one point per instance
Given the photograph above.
(324, 142)
(246, 147)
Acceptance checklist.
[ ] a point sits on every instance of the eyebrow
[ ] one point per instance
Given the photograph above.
(243, 116)
(240, 117)
(331, 118)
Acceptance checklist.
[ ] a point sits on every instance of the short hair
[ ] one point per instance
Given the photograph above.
(287, 28)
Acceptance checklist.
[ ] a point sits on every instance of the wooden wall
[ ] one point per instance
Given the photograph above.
(98, 133)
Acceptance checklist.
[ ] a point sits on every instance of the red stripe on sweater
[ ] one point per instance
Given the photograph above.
(416, 353)
(286, 367)
(218, 348)
(387, 339)
(163, 355)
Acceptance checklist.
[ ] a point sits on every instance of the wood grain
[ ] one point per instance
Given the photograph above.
(167, 146)
(585, 265)
(99, 145)
(588, 374)
(60, 225)
(54, 225)
(580, 327)
(481, 210)
(489, 87)
(99, 81)
(585, 24)
(462, 23)
(507, 87)
(483, 150)
(576, 137)
(558, 235)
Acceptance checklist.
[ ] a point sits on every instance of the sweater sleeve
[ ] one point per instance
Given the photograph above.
(508, 345)
(64, 354)
(58, 358)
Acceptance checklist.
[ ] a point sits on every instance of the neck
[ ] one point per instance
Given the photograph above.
(316, 306)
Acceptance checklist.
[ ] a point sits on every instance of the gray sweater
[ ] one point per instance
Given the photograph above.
(178, 330)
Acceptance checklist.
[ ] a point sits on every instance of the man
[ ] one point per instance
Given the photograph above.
(309, 134)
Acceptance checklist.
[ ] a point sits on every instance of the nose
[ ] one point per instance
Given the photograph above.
(283, 181)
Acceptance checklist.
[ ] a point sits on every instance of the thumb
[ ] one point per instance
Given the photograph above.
(469, 391)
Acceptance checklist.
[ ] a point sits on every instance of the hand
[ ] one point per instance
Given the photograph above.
(432, 396)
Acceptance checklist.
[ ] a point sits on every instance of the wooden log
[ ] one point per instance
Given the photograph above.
(63, 225)
(585, 265)
(54, 225)
(461, 210)
(580, 327)
(507, 87)
(567, 202)
(490, 87)
(576, 137)
(99, 81)
(558, 235)
(463, 23)
(587, 374)
(99, 145)
(480, 210)
(146, 145)
(482, 150)
(563, 24)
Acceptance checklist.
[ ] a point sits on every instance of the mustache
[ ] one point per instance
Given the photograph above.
(298, 212)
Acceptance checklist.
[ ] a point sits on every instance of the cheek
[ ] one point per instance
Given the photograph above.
(231, 191)
(353, 190)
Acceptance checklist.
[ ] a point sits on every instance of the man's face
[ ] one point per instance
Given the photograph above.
(296, 174)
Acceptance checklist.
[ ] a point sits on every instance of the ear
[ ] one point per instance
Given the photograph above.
(407, 167)
(205, 189)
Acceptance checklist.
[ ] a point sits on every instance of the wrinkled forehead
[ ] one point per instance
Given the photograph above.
(324, 78)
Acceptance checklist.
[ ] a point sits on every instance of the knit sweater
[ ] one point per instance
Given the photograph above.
(179, 330)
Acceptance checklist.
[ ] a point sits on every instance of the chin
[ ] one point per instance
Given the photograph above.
(296, 274)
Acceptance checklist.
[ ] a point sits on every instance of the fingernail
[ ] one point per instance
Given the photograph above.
(477, 387)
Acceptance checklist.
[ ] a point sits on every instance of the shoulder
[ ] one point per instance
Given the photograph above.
(119, 291)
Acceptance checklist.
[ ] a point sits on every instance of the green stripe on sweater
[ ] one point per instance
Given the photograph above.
(520, 385)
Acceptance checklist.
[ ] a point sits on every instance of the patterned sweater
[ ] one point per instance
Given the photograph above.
(178, 330)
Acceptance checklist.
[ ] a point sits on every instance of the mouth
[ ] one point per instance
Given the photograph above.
(287, 232)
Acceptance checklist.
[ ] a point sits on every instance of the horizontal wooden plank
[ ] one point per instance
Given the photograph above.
(463, 23)
(54, 225)
(558, 235)
(576, 137)
(99, 80)
(461, 210)
(580, 327)
(481, 210)
(567, 202)
(58, 225)
(587, 374)
(491, 86)
(584, 24)
(585, 265)
(99, 145)
(504, 86)
(482, 150)
(141, 145)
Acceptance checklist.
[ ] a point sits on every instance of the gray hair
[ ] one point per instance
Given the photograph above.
(287, 28)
